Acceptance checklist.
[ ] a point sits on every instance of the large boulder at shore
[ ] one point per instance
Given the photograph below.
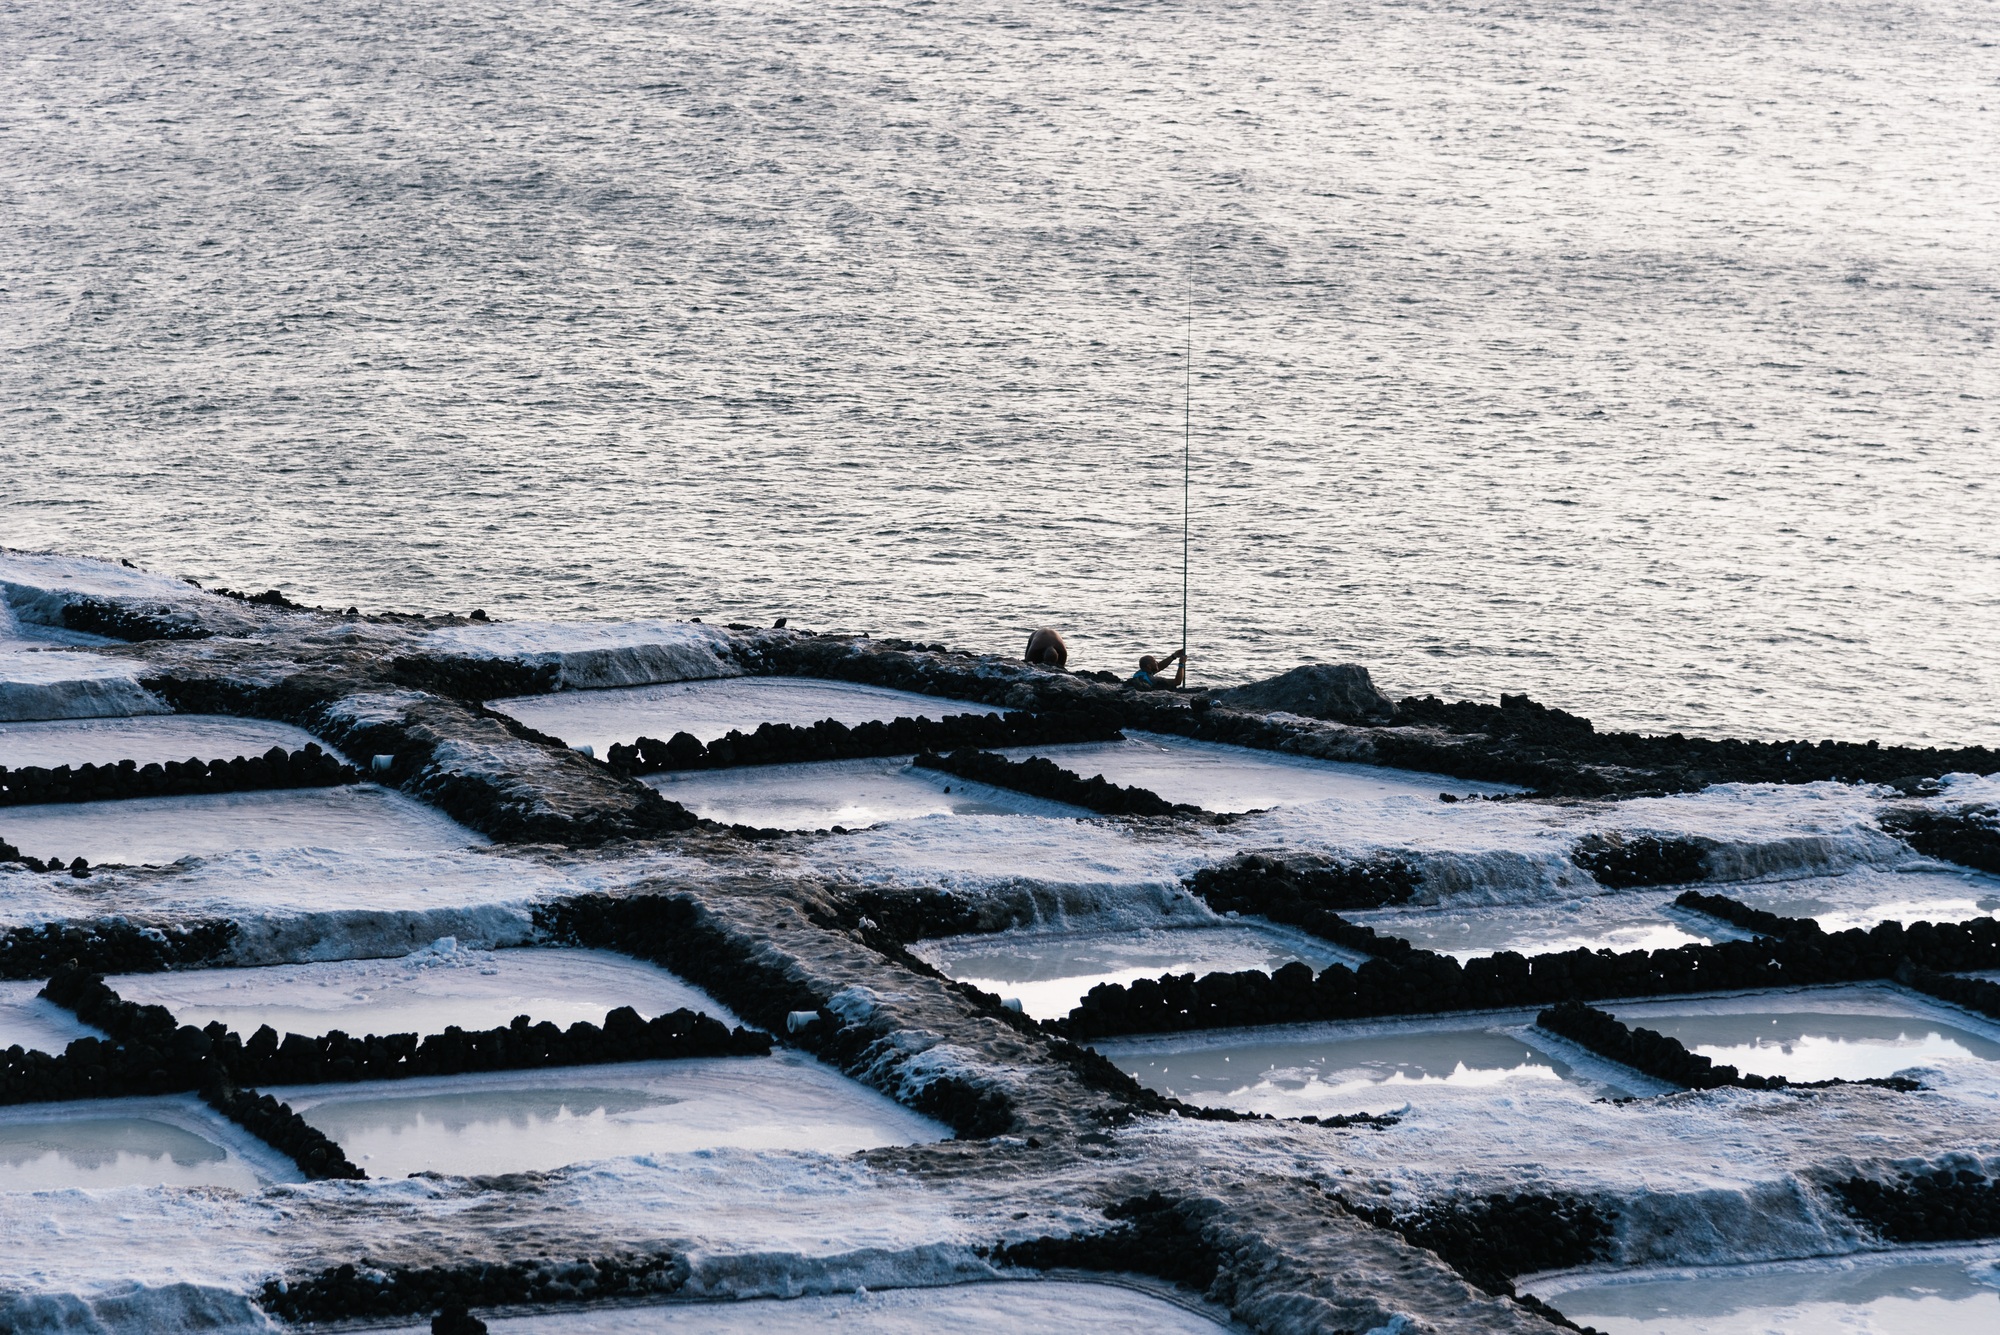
(1338, 691)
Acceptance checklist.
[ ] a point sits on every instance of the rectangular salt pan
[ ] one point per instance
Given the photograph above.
(852, 794)
(105, 1143)
(1866, 896)
(1238, 778)
(1631, 921)
(28, 1021)
(421, 993)
(527, 1121)
(1842, 1033)
(709, 709)
(1862, 1297)
(146, 739)
(1049, 972)
(1321, 1070)
(150, 830)
(1044, 1307)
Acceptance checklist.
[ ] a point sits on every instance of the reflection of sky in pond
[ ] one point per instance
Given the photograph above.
(1921, 1298)
(541, 1121)
(853, 794)
(1820, 1046)
(1595, 924)
(1332, 1075)
(1235, 778)
(1863, 898)
(113, 1152)
(1050, 972)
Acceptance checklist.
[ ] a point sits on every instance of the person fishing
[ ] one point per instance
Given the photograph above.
(1147, 678)
(1046, 649)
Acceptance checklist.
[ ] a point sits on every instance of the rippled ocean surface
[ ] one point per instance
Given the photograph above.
(1640, 356)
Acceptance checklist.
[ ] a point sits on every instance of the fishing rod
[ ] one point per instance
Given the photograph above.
(1187, 458)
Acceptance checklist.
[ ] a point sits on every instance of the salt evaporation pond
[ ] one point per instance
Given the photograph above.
(146, 739)
(1866, 896)
(1049, 971)
(421, 993)
(852, 794)
(1855, 1033)
(1866, 1296)
(524, 1121)
(1629, 921)
(709, 709)
(1238, 778)
(1034, 1307)
(30, 1022)
(164, 829)
(1318, 1070)
(103, 1143)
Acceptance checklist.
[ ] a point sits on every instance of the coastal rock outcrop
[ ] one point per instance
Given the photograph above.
(1341, 692)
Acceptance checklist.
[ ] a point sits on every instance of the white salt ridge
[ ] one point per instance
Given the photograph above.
(443, 984)
(146, 740)
(1049, 971)
(155, 830)
(38, 682)
(1038, 1307)
(1237, 778)
(1952, 1291)
(595, 654)
(852, 794)
(522, 1121)
(170, 1141)
(709, 709)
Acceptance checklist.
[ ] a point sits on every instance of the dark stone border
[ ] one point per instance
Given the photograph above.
(274, 1123)
(1154, 1235)
(277, 768)
(1422, 982)
(1943, 1205)
(344, 1293)
(1038, 776)
(1623, 862)
(112, 945)
(1738, 914)
(1297, 890)
(830, 739)
(1970, 837)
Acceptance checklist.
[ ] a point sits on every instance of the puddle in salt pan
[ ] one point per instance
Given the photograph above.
(1843, 1033)
(708, 709)
(853, 794)
(1866, 1297)
(421, 993)
(509, 1122)
(1326, 1069)
(1237, 778)
(1632, 921)
(1045, 1307)
(1050, 971)
(146, 739)
(164, 829)
(1866, 896)
(37, 1025)
(122, 1143)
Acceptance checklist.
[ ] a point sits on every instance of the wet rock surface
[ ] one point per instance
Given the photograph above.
(1341, 692)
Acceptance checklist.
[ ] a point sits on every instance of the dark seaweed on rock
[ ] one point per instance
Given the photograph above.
(1155, 1235)
(309, 767)
(1491, 1239)
(375, 1290)
(1668, 1059)
(1040, 777)
(278, 1126)
(111, 945)
(830, 739)
(1735, 911)
(1943, 1205)
(1422, 982)
(1970, 837)
(1622, 862)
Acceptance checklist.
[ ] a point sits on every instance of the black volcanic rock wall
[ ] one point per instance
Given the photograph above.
(277, 768)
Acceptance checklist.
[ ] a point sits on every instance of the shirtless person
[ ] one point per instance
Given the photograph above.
(1046, 649)
(1147, 678)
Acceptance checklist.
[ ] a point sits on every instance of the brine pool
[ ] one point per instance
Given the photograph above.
(146, 739)
(143, 1142)
(525, 1121)
(852, 794)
